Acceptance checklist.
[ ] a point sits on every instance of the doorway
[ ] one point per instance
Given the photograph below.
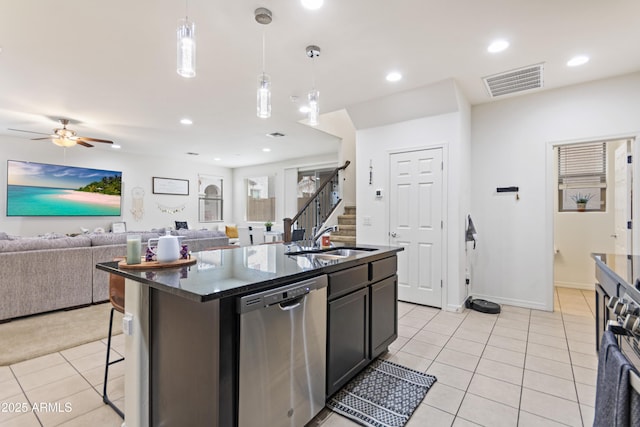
(415, 223)
(604, 226)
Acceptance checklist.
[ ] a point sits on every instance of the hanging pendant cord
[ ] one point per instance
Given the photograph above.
(263, 51)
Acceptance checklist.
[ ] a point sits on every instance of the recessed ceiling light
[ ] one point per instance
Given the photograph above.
(115, 146)
(394, 76)
(312, 4)
(266, 150)
(578, 60)
(498, 46)
(186, 121)
(304, 109)
(217, 159)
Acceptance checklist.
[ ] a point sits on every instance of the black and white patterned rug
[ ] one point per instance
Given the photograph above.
(385, 394)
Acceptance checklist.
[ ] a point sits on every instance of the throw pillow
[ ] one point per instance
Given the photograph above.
(4, 236)
(181, 225)
(231, 231)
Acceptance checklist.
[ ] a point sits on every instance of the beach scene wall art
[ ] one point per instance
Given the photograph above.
(38, 189)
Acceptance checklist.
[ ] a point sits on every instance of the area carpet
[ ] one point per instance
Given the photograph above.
(34, 336)
(385, 394)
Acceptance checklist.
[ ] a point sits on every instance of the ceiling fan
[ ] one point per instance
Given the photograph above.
(64, 137)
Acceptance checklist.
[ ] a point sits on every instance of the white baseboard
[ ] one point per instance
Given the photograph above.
(455, 308)
(575, 285)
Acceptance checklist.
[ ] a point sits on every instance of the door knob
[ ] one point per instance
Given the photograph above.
(615, 236)
(393, 234)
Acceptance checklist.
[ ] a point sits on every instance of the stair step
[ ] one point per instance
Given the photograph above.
(350, 210)
(345, 230)
(343, 239)
(346, 219)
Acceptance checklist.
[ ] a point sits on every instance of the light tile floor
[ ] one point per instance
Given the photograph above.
(519, 368)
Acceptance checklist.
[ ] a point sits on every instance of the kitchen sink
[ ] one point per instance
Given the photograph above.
(333, 253)
(346, 252)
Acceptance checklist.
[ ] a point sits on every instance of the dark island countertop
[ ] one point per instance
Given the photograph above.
(622, 273)
(221, 273)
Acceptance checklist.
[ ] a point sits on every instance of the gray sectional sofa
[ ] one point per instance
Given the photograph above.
(52, 272)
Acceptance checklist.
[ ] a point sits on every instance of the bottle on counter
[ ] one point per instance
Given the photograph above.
(326, 240)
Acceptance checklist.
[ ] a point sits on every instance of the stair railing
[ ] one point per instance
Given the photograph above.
(317, 209)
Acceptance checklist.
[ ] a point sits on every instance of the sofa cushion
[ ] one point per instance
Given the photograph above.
(119, 238)
(231, 231)
(39, 243)
(200, 234)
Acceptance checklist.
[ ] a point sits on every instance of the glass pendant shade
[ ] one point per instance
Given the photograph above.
(186, 48)
(314, 107)
(264, 96)
(64, 142)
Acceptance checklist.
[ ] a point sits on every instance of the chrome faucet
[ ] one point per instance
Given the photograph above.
(316, 237)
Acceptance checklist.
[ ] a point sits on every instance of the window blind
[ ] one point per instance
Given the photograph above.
(582, 165)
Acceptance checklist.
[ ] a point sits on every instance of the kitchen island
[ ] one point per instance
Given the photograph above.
(182, 325)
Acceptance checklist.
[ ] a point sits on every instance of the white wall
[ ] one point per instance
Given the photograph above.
(136, 172)
(375, 145)
(339, 123)
(578, 234)
(279, 170)
(511, 145)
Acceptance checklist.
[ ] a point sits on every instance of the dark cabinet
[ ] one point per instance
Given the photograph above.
(347, 338)
(384, 314)
(361, 318)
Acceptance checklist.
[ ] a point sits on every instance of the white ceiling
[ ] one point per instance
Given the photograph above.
(110, 66)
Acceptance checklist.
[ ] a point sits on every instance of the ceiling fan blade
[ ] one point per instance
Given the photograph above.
(40, 139)
(85, 144)
(27, 131)
(86, 138)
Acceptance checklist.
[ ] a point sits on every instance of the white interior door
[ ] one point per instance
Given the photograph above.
(622, 199)
(415, 223)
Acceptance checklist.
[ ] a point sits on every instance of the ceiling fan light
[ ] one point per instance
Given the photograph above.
(186, 35)
(264, 96)
(64, 142)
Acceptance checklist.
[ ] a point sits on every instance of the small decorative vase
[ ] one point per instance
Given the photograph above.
(269, 228)
(581, 207)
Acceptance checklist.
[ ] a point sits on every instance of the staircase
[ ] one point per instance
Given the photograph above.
(346, 233)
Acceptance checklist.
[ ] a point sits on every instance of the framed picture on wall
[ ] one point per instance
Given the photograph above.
(119, 227)
(173, 186)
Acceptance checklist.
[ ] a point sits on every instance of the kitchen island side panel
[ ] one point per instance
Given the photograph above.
(183, 361)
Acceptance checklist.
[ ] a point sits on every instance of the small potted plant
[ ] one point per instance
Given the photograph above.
(268, 225)
(582, 200)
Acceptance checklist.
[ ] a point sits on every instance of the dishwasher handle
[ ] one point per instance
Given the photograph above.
(292, 303)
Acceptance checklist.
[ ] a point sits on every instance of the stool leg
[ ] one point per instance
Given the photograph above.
(105, 398)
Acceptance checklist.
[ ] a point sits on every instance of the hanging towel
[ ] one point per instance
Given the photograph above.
(617, 404)
(471, 233)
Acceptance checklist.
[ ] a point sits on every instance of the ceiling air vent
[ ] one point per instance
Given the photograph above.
(275, 135)
(514, 81)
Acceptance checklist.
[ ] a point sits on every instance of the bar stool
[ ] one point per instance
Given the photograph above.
(116, 297)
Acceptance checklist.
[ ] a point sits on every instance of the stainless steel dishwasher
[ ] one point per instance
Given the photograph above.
(283, 334)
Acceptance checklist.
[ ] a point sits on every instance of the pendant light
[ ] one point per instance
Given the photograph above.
(186, 46)
(314, 95)
(263, 105)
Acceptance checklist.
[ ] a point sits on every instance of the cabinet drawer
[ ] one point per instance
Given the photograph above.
(343, 282)
(383, 268)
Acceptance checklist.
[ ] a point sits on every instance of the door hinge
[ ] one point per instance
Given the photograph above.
(441, 166)
(440, 282)
(441, 225)
(628, 225)
(629, 159)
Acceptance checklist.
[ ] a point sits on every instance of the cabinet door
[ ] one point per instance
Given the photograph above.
(348, 338)
(384, 314)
